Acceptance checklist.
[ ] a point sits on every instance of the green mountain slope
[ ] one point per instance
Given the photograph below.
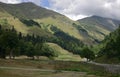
(30, 24)
(27, 10)
(90, 30)
(42, 16)
(63, 54)
(97, 27)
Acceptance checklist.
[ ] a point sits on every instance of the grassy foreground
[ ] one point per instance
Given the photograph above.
(76, 69)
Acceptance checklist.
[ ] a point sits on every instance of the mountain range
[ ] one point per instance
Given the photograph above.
(29, 18)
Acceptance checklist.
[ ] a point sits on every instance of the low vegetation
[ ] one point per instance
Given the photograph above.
(30, 22)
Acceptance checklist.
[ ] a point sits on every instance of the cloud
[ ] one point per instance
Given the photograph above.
(76, 9)
(11, 1)
(38, 2)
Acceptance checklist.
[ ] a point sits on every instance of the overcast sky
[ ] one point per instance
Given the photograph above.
(77, 9)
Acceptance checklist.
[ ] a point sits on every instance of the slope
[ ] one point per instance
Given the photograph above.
(97, 27)
(41, 15)
(63, 54)
(90, 30)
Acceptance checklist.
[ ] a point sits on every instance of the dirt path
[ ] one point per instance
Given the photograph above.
(31, 69)
(109, 67)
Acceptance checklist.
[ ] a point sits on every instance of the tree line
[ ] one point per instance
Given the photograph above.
(14, 44)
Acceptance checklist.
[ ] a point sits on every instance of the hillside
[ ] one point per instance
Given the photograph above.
(27, 10)
(89, 30)
(63, 54)
(110, 52)
(98, 27)
(41, 15)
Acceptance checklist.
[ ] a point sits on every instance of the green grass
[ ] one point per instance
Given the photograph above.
(10, 21)
(62, 25)
(95, 31)
(64, 54)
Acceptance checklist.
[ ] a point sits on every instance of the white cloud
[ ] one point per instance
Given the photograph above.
(11, 1)
(75, 17)
(76, 9)
(38, 2)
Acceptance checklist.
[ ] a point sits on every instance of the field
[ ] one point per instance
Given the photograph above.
(50, 68)
(29, 73)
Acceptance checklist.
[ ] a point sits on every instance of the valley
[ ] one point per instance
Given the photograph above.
(45, 43)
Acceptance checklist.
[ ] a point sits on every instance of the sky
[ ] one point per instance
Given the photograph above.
(77, 9)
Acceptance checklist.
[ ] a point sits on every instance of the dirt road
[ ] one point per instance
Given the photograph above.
(109, 67)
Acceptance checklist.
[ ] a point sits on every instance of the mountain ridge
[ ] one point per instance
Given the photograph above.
(13, 9)
(98, 27)
(102, 19)
(89, 30)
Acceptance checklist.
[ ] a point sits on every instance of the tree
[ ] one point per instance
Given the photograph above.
(47, 51)
(20, 35)
(0, 27)
(38, 50)
(2, 52)
(30, 50)
(87, 53)
(9, 39)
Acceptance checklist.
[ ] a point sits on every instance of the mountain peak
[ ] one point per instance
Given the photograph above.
(28, 10)
(27, 3)
(95, 16)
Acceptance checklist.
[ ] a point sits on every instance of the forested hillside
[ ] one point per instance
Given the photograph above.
(110, 52)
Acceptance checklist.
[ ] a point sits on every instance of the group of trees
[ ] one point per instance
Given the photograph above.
(30, 22)
(15, 44)
(87, 53)
(112, 45)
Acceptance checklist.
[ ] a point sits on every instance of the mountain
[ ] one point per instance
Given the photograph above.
(51, 26)
(98, 27)
(27, 11)
(29, 18)
(45, 17)
(58, 31)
